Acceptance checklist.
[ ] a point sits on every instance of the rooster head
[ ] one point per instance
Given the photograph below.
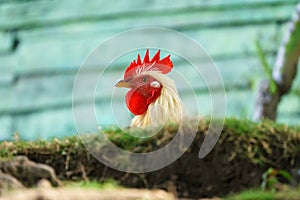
(144, 87)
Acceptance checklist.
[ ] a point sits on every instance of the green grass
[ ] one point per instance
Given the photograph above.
(288, 194)
(252, 195)
(108, 184)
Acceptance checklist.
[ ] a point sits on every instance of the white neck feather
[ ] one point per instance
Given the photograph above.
(166, 108)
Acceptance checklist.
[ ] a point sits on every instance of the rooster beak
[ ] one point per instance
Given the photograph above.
(123, 83)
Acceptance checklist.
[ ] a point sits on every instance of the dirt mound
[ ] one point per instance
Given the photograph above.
(243, 153)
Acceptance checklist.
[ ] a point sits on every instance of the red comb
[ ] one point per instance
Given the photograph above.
(164, 65)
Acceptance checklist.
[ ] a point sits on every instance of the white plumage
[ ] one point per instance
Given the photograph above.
(167, 107)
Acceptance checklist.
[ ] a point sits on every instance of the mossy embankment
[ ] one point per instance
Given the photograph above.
(244, 151)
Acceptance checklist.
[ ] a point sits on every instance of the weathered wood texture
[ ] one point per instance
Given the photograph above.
(43, 43)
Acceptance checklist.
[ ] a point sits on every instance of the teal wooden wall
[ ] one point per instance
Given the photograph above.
(43, 43)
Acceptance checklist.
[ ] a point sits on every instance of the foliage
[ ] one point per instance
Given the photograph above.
(252, 195)
(268, 70)
(270, 179)
(288, 194)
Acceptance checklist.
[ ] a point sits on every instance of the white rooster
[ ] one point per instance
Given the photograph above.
(153, 97)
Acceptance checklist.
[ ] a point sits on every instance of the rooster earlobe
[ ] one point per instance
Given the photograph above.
(146, 58)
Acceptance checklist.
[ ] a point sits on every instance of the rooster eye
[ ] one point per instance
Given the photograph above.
(144, 79)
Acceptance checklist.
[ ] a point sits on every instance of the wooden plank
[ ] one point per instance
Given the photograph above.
(190, 19)
(237, 41)
(55, 53)
(46, 92)
(35, 94)
(8, 63)
(5, 43)
(39, 93)
(289, 105)
(42, 125)
(52, 91)
(7, 103)
(45, 13)
(289, 119)
(6, 128)
(6, 78)
(58, 123)
(239, 103)
(215, 3)
(236, 74)
(67, 52)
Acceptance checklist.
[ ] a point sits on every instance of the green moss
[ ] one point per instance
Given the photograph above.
(250, 140)
(12, 148)
(257, 141)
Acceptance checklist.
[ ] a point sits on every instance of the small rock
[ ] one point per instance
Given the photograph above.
(44, 184)
(28, 172)
(8, 182)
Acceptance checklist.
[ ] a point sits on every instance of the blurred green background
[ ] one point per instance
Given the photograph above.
(43, 43)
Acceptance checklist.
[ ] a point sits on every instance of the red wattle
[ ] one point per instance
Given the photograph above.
(138, 103)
